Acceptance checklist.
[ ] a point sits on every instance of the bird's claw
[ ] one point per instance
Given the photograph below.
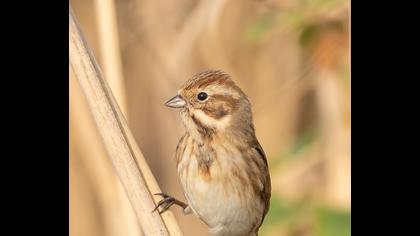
(167, 202)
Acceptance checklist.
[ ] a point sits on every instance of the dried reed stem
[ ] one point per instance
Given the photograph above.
(116, 217)
(106, 22)
(126, 157)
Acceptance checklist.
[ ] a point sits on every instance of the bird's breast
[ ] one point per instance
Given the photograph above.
(217, 187)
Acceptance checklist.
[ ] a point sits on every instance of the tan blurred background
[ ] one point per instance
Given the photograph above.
(290, 56)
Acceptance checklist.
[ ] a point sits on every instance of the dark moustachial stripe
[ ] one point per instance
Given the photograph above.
(178, 153)
(205, 131)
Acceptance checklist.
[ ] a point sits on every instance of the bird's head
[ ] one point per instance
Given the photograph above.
(210, 102)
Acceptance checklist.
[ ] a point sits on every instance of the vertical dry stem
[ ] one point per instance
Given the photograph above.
(110, 50)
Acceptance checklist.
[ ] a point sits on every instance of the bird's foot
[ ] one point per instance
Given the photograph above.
(168, 201)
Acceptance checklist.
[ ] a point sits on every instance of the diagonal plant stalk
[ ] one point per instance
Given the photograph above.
(127, 159)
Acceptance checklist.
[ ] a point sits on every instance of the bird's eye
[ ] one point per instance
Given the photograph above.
(202, 96)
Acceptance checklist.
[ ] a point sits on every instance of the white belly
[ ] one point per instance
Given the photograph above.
(224, 204)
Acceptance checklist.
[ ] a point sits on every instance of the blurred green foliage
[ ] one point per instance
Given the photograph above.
(305, 215)
(300, 19)
(331, 222)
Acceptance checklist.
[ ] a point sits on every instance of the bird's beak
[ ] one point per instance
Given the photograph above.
(176, 102)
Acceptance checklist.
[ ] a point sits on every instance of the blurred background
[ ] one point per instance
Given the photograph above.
(291, 57)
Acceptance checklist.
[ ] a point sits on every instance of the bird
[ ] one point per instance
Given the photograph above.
(221, 166)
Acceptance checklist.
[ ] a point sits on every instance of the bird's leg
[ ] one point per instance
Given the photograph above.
(168, 201)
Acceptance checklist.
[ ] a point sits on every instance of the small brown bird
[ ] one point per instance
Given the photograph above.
(221, 165)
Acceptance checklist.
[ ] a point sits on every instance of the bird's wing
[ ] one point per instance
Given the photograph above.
(265, 194)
